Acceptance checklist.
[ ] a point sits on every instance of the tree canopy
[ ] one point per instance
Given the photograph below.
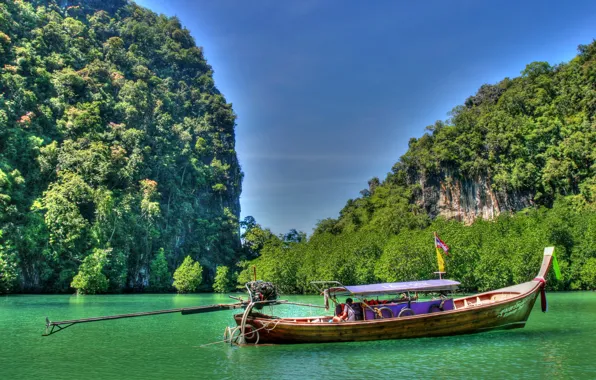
(188, 276)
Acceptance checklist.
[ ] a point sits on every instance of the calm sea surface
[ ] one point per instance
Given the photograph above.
(558, 344)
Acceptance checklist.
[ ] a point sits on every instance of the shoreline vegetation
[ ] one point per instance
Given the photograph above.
(483, 256)
(118, 172)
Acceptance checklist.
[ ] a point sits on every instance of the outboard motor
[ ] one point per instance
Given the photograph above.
(262, 291)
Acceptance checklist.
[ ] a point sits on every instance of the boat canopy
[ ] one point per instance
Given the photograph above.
(398, 287)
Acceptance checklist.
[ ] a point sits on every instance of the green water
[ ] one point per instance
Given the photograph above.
(559, 344)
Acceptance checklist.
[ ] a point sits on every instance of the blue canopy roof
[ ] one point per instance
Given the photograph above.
(398, 287)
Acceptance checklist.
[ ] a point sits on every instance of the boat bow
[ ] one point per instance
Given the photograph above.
(541, 278)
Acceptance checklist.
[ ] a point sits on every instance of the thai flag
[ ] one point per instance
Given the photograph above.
(441, 244)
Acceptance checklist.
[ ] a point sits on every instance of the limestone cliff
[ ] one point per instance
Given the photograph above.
(466, 200)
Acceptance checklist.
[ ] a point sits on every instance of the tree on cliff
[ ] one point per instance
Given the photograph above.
(90, 279)
(223, 282)
(160, 279)
(188, 276)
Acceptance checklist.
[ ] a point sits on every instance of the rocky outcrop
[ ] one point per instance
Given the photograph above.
(466, 200)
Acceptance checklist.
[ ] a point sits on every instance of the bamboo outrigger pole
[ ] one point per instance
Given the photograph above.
(57, 326)
(61, 325)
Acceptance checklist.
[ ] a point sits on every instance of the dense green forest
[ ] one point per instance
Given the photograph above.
(530, 138)
(485, 255)
(118, 171)
(117, 151)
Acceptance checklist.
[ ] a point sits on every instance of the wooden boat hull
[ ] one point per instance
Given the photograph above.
(505, 308)
(511, 314)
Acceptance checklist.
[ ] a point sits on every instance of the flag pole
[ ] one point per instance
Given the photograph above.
(439, 258)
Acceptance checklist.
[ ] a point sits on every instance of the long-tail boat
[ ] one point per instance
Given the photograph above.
(406, 317)
(505, 308)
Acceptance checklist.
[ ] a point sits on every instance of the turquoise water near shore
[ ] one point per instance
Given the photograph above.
(559, 344)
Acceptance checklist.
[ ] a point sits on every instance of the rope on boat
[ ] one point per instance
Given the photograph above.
(230, 332)
(243, 322)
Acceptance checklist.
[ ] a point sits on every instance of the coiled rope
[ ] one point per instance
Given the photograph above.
(229, 333)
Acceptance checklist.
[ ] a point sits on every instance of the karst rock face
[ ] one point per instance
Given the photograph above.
(467, 199)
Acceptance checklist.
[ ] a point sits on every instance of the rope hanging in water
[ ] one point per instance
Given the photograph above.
(229, 333)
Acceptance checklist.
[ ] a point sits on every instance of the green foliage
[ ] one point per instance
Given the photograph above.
(90, 278)
(112, 135)
(223, 282)
(188, 276)
(588, 274)
(8, 268)
(255, 237)
(350, 259)
(8, 273)
(407, 256)
(115, 269)
(160, 279)
(485, 255)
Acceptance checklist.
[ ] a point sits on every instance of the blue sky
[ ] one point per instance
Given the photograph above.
(328, 93)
